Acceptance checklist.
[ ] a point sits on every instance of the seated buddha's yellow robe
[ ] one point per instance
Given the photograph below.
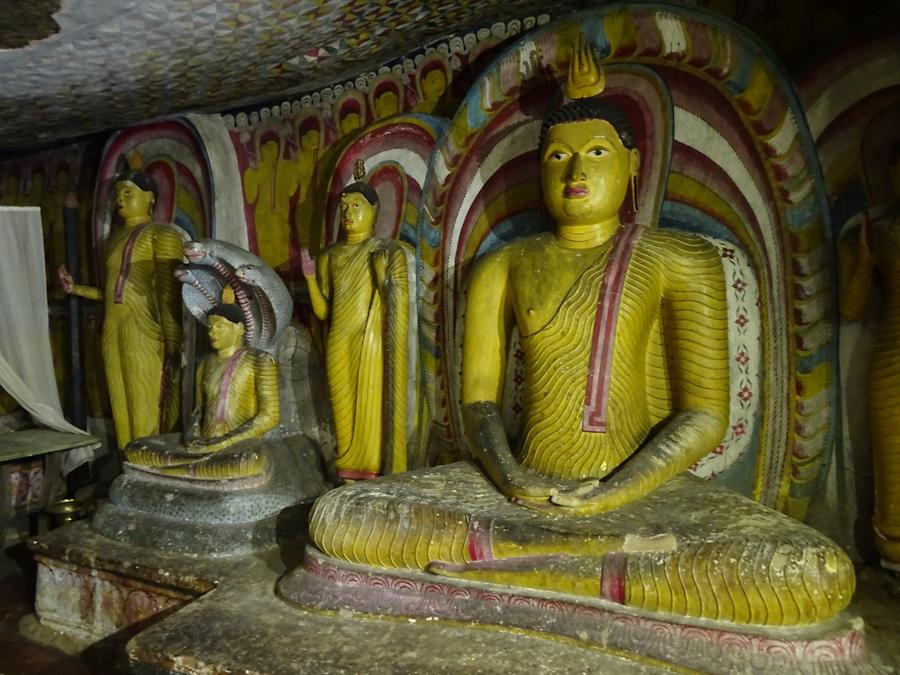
(686, 547)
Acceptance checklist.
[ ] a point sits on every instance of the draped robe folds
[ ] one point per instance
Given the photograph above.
(142, 322)
(237, 391)
(367, 357)
(557, 358)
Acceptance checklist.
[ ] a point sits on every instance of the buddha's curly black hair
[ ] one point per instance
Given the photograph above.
(591, 109)
(140, 178)
(227, 311)
(364, 189)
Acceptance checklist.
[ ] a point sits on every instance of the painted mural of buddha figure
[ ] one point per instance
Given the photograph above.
(270, 186)
(591, 502)
(385, 97)
(311, 143)
(433, 83)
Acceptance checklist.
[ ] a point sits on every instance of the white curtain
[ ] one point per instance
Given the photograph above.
(26, 363)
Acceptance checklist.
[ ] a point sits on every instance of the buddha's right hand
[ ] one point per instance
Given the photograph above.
(490, 450)
(526, 487)
(65, 279)
(307, 263)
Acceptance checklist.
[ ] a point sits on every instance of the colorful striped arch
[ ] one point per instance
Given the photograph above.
(395, 153)
(173, 153)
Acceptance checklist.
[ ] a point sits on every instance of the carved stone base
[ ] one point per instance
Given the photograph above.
(837, 646)
(93, 591)
(175, 613)
(215, 518)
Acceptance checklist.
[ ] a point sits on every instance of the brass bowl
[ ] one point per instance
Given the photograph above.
(66, 511)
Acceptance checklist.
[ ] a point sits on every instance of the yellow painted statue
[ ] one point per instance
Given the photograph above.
(361, 285)
(875, 246)
(625, 335)
(236, 400)
(142, 313)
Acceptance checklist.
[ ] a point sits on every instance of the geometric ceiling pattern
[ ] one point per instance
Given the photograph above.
(114, 63)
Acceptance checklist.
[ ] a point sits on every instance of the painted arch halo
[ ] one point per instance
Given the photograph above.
(741, 170)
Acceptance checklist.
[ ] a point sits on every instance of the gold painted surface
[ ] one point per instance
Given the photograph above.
(688, 549)
(141, 337)
(237, 399)
(361, 287)
(607, 508)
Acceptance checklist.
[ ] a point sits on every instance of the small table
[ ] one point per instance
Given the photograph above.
(27, 487)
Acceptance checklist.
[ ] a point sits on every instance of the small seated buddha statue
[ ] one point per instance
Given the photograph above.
(248, 462)
(236, 403)
(624, 332)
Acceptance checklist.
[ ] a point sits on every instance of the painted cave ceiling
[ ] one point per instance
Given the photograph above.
(74, 67)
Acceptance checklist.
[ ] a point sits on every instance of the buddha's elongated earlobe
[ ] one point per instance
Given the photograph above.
(634, 201)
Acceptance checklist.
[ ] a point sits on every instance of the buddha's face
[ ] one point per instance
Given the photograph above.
(131, 201)
(224, 334)
(310, 140)
(585, 170)
(434, 84)
(269, 152)
(350, 122)
(386, 105)
(357, 214)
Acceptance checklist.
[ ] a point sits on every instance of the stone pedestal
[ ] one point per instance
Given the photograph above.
(90, 587)
(174, 613)
(161, 542)
(216, 518)
(837, 646)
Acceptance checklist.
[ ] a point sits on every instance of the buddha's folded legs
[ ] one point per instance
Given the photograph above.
(165, 455)
(724, 558)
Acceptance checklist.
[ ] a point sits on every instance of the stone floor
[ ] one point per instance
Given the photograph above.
(347, 645)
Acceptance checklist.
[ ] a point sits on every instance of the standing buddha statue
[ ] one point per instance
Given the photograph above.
(875, 246)
(142, 313)
(361, 285)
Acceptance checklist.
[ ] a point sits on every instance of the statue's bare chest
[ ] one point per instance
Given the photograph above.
(541, 281)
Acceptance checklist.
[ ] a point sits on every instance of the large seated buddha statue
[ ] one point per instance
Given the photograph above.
(626, 385)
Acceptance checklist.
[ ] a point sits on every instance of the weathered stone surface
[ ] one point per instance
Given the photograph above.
(215, 518)
(383, 531)
(237, 624)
